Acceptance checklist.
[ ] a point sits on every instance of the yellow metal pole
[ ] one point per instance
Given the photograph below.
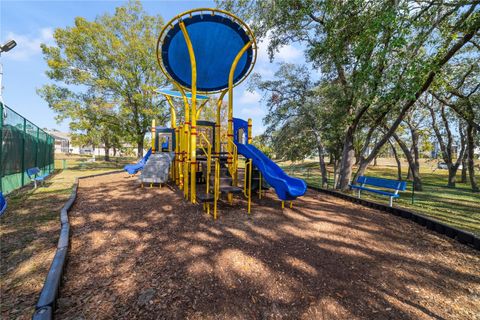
(153, 135)
(193, 132)
(218, 124)
(283, 204)
(249, 131)
(250, 185)
(179, 145)
(231, 158)
(259, 185)
(173, 125)
(216, 186)
(201, 108)
(291, 204)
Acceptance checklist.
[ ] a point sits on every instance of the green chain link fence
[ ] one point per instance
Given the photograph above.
(23, 145)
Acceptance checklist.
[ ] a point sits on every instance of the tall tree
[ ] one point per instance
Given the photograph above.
(383, 54)
(442, 122)
(299, 117)
(459, 89)
(113, 57)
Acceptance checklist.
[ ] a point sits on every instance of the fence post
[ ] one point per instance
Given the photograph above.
(23, 150)
(36, 147)
(1, 143)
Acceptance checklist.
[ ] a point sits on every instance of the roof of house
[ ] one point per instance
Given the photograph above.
(58, 135)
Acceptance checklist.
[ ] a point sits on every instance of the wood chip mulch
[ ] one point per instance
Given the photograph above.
(148, 254)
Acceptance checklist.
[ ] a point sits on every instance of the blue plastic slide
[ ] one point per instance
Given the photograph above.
(134, 168)
(286, 187)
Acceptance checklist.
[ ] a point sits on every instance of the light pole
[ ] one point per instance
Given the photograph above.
(9, 45)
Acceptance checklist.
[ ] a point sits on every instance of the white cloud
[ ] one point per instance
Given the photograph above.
(252, 111)
(258, 130)
(28, 45)
(289, 54)
(248, 97)
(286, 53)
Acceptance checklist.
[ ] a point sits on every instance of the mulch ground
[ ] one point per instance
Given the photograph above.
(148, 254)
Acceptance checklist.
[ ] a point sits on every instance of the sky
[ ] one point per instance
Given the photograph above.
(31, 23)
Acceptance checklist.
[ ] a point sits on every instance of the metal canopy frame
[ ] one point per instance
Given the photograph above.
(190, 92)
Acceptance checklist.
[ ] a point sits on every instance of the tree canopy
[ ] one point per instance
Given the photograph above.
(111, 59)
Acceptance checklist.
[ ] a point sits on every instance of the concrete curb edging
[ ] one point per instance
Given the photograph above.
(44, 309)
(461, 236)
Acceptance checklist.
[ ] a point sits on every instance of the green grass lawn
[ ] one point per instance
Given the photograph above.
(459, 206)
(29, 233)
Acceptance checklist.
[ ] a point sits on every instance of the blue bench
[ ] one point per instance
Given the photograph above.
(35, 176)
(3, 203)
(394, 186)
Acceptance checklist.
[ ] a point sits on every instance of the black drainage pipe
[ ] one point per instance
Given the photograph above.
(44, 309)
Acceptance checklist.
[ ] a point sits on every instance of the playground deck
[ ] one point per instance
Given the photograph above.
(146, 253)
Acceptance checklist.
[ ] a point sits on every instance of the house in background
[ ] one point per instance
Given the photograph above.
(63, 144)
(62, 141)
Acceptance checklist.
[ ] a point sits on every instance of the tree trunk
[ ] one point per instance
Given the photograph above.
(114, 151)
(464, 168)
(107, 153)
(452, 176)
(397, 159)
(348, 159)
(470, 157)
(323, 167)
(140, 146)
(413, 169)
(331, 159)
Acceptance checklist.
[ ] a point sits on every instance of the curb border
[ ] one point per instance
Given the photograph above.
(464, 237)
(46, 303)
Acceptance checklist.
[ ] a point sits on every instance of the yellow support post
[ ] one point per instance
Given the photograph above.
(250, 185)
(259, 185)
(291, 204)
(199, 111)
(193, 132)
(230, 146)
(218, 124)
(283, 204)
(216, 187)
(153, 135)
(249, 131)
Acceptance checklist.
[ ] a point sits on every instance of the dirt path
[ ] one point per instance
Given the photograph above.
(147, 254)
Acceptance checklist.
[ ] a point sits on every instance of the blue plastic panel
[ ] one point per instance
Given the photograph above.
(216, 40)
(286, 187)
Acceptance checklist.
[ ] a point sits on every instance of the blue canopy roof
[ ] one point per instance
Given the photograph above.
(216, 40)
(177, 94)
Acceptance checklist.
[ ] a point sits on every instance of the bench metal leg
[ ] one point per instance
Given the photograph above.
(391, 201)
(34, 184)
(359, 190)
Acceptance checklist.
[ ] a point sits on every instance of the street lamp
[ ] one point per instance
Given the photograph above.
(9, 45)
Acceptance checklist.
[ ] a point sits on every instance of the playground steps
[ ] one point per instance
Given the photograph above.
(157, 168)
(205, 197)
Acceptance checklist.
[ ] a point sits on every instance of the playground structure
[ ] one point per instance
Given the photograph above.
(204, 52)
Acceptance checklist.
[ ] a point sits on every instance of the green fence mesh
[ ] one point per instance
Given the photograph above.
(23, 145)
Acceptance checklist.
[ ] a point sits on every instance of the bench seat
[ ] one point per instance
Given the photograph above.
(35, 176)
(394, 185)
(385, 193)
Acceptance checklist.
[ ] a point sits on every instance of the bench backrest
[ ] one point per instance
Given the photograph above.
(32, 172)
(383, 183)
